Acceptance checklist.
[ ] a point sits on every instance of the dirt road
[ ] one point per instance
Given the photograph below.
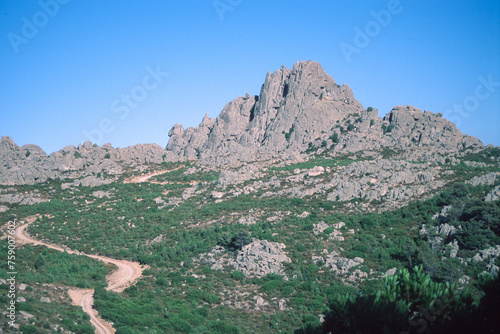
(126, 274)
(145, 177)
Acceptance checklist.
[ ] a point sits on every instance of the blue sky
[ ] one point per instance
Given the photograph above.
(125, 72)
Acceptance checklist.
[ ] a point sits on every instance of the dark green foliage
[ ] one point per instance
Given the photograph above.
(221, 327)
(176, 175)
(52, 266)
(481, 319)
(369, 109)
(388, 153)
(387, 129)
(334, 137)
(488, 155)
(29, 329)
(288, 134)
(39, 261)
(474, 236)
(241, 239)
(235, 242)
(238, 275)
(409, 302)
(310, 148)
(479, 221)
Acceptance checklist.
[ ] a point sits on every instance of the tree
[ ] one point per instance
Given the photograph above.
(39, 261)
(241, 239)
(407, 301)
(334, 138)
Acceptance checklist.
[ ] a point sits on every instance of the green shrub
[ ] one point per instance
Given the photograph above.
(390, 309)
(28, 329)
(334, 137)
(238, 275)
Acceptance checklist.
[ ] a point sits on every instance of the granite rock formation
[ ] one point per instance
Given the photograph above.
(305, 108)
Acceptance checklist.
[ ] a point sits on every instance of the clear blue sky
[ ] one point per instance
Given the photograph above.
(68, 68)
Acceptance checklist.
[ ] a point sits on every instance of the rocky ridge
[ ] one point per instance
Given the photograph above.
(257, 259)
(305, 108)
(299, 111)
(29, 164)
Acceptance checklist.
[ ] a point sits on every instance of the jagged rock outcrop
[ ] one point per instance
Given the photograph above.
(11, 196)
(493, 195)
(408, 126)
(295, 107)
(29, 164)
(257, 259)
(304, 108)
(336, 263)
(485, 179)
(298, 111)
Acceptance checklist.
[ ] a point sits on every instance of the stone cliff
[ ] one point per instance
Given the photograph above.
(29, 164)
(303, 109)
(298, 112)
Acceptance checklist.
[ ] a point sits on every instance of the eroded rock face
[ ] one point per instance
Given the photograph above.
(412, 127)
(29, 198)
(298, 111)
(30, 164)
(383, 179)
(336, 263)
(493, 195)
(295, 107)
(485, 179)
(260, 258)
(257, 259)
(304, 108)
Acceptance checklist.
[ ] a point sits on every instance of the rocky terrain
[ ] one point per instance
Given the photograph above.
(253, 221)
(300, 108)
(297, 111)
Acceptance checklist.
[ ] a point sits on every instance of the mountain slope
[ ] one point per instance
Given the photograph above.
(300, 108)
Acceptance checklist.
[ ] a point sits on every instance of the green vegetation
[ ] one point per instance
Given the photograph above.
(288, 134)
(316, 161)
(387, 129)
(334, 138)
(154, 224)
(38, 266)
(488, 155)
(407, 301)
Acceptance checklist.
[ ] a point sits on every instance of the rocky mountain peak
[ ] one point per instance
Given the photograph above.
(299, 111)
(294, 108)
(7, 144)
(302, 109)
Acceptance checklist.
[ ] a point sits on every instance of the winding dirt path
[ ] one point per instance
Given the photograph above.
(145, 177)
(127, 273)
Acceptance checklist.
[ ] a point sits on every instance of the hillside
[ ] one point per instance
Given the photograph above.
(260, 220)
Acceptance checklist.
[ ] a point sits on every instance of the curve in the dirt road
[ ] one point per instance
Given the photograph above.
(101, 327)
(125, 275)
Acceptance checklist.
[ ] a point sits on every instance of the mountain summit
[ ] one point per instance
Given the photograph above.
(304, 108)
(298, 112)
